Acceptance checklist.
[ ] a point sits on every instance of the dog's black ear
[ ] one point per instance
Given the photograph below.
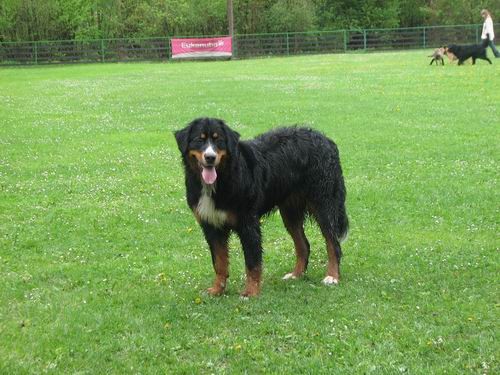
(182, 137)
(232, 138)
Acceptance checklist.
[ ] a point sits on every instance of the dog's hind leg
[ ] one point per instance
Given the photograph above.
(334, 254)
(333, 226)
(431, 62)
(293, 218)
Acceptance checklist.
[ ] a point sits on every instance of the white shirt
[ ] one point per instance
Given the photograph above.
(488, 28)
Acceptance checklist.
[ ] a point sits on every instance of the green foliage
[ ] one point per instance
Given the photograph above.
(206, 17)
(103, 267)
(76, 20)
(411, 14)
(346, 14)
(249, 15)
(22, 20)
(291, 15)
(454, 12)
(7, 14)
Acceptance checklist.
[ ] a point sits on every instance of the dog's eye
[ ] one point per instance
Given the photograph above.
(203, 136)
(220, 143)
(215, 136)
(196, 142)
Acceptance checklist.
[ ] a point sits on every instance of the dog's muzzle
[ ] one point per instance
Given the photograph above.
(208, 172)
(209, 157)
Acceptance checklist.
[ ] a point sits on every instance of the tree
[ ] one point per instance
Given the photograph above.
(291, 15)
(23, 20)
(7, 16)
(411, 13)
(347, 14)
(456, 12)
(249, 15)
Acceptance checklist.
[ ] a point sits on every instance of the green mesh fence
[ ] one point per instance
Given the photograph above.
(244, 46)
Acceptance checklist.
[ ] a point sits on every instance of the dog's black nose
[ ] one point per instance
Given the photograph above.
(210, 159)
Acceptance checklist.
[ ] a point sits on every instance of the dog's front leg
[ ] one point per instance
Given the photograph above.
(218, 242)
(250, 237)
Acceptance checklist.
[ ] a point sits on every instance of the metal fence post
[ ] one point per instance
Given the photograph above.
(364, 39)
(287, 45)
(102, 50)
(235, 46)
(345, 40)
(425, 44)
(36, 53)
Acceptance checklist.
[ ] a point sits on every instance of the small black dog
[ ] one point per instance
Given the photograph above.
(464, 52)
(231, 184)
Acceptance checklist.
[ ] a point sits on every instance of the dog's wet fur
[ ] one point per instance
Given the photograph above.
(231, 184)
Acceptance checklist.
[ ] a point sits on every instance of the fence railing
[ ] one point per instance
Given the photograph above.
(245, 46)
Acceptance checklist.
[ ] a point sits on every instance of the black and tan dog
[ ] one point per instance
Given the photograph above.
(231, 184)
(474, 51)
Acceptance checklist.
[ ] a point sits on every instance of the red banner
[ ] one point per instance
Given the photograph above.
(202, 47)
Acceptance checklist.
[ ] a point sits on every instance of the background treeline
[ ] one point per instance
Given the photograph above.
(95, 19)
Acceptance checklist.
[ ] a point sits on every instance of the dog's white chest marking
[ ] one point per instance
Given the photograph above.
(206, 208)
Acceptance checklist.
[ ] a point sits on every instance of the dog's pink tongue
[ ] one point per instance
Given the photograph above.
(209, 175)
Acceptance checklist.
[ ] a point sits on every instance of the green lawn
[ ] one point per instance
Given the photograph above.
(103, 268)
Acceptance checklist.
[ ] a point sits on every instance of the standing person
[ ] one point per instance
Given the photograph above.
(488, 32)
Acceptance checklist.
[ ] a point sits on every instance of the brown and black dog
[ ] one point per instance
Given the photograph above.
(231, 184)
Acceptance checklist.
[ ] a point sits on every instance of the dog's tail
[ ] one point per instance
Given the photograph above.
(327, 194)
(342, 224)
(340, 220)
(486, 41)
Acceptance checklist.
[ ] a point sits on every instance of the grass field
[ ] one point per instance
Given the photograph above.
(103, 268)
